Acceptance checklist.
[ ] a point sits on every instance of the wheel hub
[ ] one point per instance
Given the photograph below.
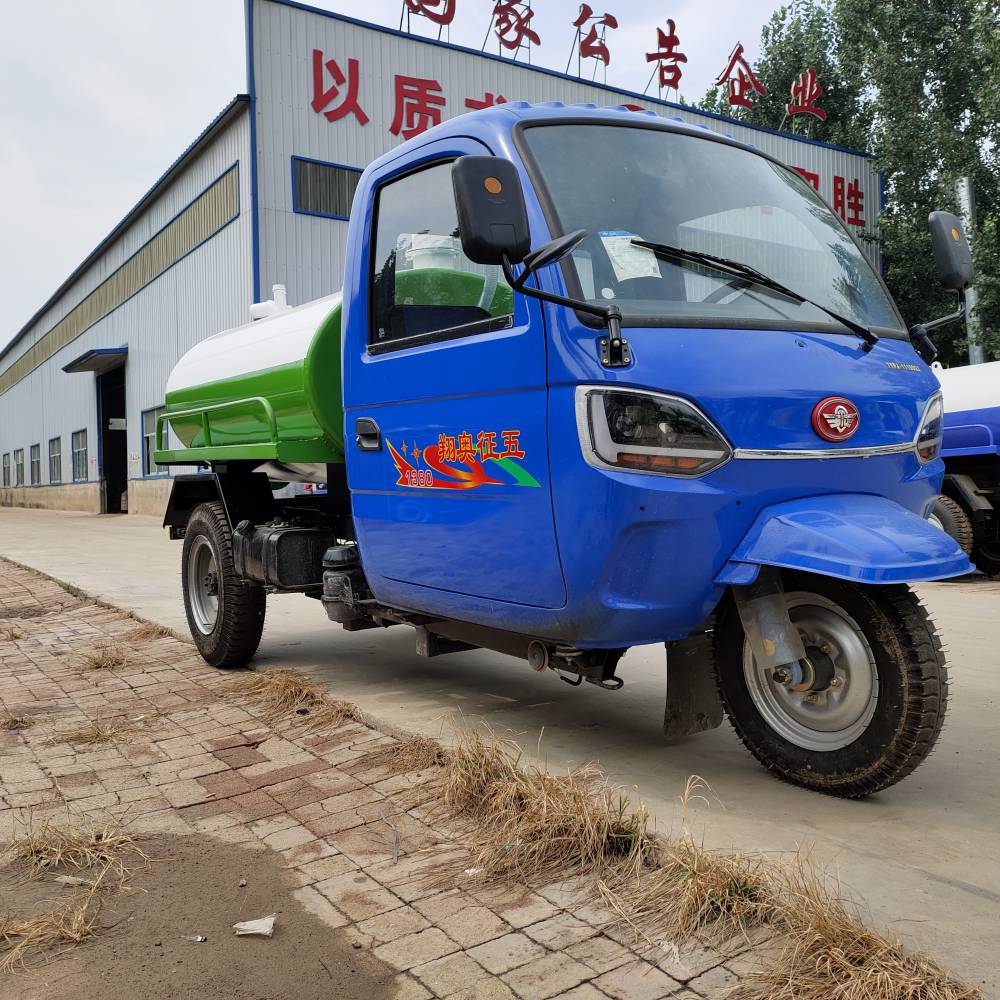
(826, 700)
(203, 585)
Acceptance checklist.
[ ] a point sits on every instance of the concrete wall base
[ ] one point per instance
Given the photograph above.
(149, 496)
(68, 496)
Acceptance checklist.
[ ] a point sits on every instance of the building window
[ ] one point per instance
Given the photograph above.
(325, 189)
(149, 467)
(6, 469)
(18, 466)
(79, 443)
(55, 460)
(211, 211)
(424, 288)
(36, 465)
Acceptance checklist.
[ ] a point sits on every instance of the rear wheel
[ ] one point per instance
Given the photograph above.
(866, 706)
(224, 613)
(950, 517)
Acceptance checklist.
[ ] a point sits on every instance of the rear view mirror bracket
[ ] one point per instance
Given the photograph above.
(613, 348)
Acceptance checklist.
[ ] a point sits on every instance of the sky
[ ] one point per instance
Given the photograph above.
(98, 97)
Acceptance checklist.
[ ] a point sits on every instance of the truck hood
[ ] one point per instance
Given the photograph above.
(760, 386)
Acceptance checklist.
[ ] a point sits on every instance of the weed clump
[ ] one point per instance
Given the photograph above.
(11, 722)
(288, 695)
(106, 656)
(147, 632)
(96, 733)
(534, 826)
(413, 753)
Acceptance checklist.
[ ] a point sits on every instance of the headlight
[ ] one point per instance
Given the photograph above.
(931, 431)
(646, 432)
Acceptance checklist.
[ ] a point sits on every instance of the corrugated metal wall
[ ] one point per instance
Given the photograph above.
(305, 252)
(205, 291)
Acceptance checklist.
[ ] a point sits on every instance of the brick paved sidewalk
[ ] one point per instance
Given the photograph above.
(203, 765)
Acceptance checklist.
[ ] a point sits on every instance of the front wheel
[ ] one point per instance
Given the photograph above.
(225, 614)
(864, 708)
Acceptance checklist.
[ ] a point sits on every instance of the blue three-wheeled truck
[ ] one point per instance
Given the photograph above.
(596, 379)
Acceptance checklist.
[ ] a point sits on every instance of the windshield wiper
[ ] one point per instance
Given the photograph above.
(738, 269)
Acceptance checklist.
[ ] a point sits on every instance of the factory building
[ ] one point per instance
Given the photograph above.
(260, 198)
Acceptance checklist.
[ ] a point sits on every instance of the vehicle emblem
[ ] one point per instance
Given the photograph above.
(835, 418)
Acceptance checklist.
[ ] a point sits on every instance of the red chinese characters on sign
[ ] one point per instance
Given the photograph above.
(849, 201)
(438, 11)
(668, 56)
(741, 79)
(593, 45)
(323, 97)
(809, 176)
(418, 106)
(806, 91)
(487, 101)
(512, 24)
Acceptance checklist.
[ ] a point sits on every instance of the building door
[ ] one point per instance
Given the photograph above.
(112, 441)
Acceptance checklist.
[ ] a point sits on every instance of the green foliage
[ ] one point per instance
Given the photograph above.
(798, 37)
(917, 84)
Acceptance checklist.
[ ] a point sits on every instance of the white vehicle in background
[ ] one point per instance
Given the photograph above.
(969, 509)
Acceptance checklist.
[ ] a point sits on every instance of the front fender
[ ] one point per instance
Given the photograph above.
(852, 536)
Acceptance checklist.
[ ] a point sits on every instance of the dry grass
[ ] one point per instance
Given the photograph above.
(10, 633)
(106, 656)
(73, 920)
(95, 732)
(413, 753)
(535, 827)
(288, 695)
(147, 632)
(49, 847)
(11, 723)
(829, 952)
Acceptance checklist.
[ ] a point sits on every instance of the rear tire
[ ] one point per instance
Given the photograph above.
(950, 517)
(225, 614)
(872, 727)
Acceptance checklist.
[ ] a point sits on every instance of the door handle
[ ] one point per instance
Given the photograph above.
(367, 436)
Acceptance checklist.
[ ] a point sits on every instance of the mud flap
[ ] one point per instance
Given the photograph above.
(693, 704)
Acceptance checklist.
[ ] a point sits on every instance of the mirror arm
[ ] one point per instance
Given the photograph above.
(934, 324)
(919, 332)
(609, 314)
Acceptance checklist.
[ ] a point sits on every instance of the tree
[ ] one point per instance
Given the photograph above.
(916, 85)
(801, 36)
(921, 68)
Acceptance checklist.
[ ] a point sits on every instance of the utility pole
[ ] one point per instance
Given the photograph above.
(967, 209)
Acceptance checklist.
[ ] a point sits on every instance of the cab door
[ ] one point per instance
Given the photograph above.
(445, 408)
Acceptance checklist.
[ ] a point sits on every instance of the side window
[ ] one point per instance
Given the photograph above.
(423, 285)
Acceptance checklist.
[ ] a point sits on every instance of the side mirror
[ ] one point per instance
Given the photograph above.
(951, 250)
(492, 218)
(553, 251)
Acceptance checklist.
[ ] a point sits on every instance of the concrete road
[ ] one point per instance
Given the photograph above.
(925, 855)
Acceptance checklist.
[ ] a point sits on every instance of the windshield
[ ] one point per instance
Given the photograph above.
(624, 183)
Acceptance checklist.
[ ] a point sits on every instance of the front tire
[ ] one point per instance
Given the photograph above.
(876, 689)
(225, 614)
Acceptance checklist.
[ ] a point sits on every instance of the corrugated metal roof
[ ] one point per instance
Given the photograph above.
(235, 107)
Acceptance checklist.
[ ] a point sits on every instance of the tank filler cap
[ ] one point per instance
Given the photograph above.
(278, 303)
